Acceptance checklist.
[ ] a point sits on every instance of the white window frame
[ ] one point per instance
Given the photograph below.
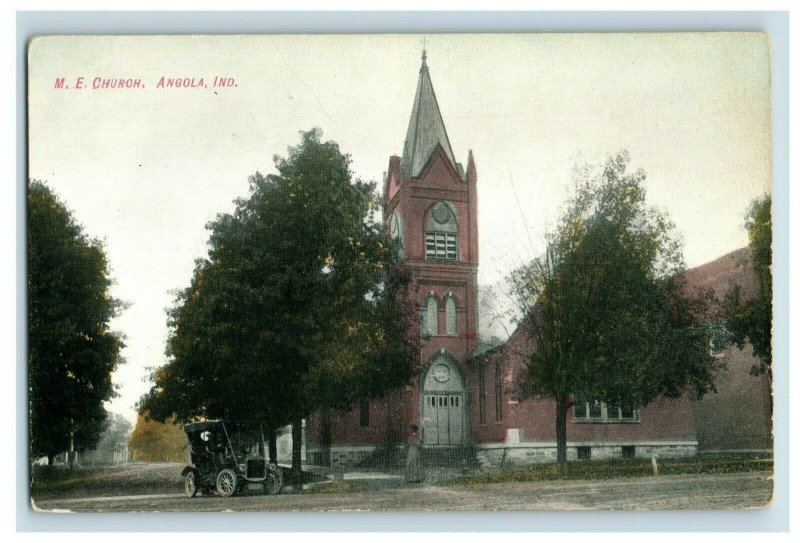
(604, 411)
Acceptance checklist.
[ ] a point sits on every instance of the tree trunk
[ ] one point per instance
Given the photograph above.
(297, 444)
(562, 403)
(272, 444)
(51, 460)
(325, 435)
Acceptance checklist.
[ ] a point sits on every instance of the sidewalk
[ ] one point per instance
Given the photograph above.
(375, 479)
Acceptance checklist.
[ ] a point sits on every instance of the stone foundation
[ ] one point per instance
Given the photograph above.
(340, 456)
(515, 451)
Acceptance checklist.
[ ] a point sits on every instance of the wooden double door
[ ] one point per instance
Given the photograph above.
(443, 416)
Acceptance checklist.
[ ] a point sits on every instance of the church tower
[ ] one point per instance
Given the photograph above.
(431, 206)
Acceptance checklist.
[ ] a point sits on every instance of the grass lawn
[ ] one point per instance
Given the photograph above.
(49, 482)
(609, 469)
(139, 478)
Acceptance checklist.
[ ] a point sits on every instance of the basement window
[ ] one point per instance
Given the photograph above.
(584, 453)
(628, 451)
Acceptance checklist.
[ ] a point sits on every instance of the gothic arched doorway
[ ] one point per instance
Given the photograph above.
(444, 421)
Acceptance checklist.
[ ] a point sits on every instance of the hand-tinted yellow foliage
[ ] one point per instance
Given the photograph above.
(153, 441)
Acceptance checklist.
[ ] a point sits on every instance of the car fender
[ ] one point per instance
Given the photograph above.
(187, 469)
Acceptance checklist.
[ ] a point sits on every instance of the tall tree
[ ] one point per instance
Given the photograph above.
(300, 305)
(609, 317)
(751, 320)
(71, 350)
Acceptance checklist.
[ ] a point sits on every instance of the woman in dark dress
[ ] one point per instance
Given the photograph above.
(414, 472)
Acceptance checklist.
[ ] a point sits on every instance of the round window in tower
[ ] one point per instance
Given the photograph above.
(441, 213)
(441, 372)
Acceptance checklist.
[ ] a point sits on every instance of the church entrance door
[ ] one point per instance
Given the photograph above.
(443, 409)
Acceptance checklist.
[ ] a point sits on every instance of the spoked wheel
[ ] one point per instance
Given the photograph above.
(226, 483)
(274, 483)
(190, 484)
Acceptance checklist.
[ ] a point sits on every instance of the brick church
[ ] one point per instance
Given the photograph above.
(463, 399)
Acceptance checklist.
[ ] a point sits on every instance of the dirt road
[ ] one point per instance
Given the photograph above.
(735, 490)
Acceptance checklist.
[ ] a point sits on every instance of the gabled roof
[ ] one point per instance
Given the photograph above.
(425, 129)
(723, 273)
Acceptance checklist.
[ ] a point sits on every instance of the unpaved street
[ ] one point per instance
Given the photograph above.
(734, 490)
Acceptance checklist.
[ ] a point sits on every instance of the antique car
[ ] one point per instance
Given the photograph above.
(227, 457)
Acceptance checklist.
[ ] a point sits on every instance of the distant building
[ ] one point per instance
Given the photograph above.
(464, 399)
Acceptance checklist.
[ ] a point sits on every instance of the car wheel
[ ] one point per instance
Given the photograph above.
(226, 483)
(274, 483)
(190, 484)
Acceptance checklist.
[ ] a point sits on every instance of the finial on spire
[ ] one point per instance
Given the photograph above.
(424, 54)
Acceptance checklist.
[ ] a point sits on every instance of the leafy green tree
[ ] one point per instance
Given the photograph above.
(751, 320)
(301, 304)
(71, 350)
(610, 320)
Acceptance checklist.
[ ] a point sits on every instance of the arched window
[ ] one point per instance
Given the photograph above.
(430, 316)
(441, 233)
(397, 230)
(450, 307)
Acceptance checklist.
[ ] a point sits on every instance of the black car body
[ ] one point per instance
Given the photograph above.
(227, 456)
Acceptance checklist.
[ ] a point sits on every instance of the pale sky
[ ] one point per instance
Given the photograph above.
(145, 169)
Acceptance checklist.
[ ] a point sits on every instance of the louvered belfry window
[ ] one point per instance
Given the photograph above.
(441, 233)
(441, 246)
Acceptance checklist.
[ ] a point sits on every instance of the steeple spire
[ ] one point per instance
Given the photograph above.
(426, 128)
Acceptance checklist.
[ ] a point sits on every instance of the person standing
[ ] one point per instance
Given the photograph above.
(414, 471)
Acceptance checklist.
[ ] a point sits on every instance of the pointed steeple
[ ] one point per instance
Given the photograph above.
(426, 127)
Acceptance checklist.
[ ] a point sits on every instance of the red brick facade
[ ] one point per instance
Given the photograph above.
(738, 416)
(460, 399)
(665, 421)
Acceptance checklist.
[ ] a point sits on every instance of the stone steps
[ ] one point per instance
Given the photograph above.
(450, 457)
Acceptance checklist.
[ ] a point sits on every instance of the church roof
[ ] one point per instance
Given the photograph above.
(425, 129)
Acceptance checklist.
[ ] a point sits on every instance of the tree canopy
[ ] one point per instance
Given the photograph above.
(751, 320)
(71, 350)
(153, 441)
(611, 321)
(300, 304)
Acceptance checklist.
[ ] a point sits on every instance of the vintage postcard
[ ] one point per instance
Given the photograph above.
(400, 272)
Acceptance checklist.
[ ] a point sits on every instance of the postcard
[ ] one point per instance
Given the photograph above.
(400, 272)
